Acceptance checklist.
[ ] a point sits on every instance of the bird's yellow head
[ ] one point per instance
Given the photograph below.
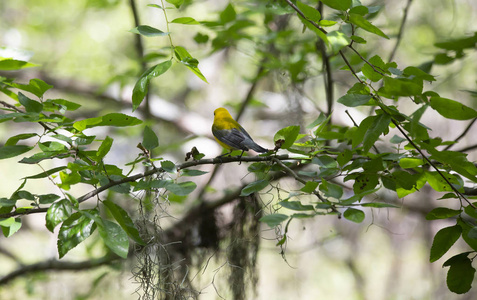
(221, 113)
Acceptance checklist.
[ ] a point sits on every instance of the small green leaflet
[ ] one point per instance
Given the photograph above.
(354, 215)
(57, 213)
(142, 85)
(10, 226)
(148, 31)
(8, 64)
(31, 106)
(288, 134)
(36, 86)
(254, 187)
(360, 21)
(149, 140)
(114, 237)
(353, 100)
(187, 60)
(273, 220)
(443, 240)
(338, 5)
(123, 219)
(181, 189)
(12, 151)
(296, 205)
(337, 40)
(451, 109)
(176, 3)
(112, 119)
(185, 21)
(75, 230)
(442, 213)
(461, 273)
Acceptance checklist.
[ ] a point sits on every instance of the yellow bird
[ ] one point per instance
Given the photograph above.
(230, 135)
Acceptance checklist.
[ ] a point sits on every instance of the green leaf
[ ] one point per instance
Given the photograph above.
(410, 162)
(104, 147)
(273, 220)
(10, 226)
(360, 21)
(8, 64)
(12, 151)
(181, 189)
(168, 166)
(353, 100)
(379, 126)
(192, 172)
(358, 39)
(438, 183)
(471, 211)
(48, 198)
(185, 21)
(331, 190)
(309, 187)
(337, 40)
(466, 228)
(36, 86)
(451, 109)
(379, 205)
(176, 3)
(461, 273)
(325, 161)
(187, 60)
(36, 158)
(338, 5)
(402, 87)
(142, 85)
(378, 65)
(296, 205)
(123, 219)
(149, 140)
(75, 230)
(23, 136)
(443, 240)
(354, 215)
(442, 213)
(228, 14)
(148, 31)
(29, 104)
(310, 12)
(57, 213)
(254, 187)
(289, 134)
(413, 71)
(114, 237)
(112, 119)
(62, 105)
(458, 44)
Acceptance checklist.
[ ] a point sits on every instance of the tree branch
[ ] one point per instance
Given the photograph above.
(401, 30)
(56, 265)
(462, 134)
(211, 161)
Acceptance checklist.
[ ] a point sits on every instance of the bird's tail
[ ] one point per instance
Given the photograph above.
(256, 147)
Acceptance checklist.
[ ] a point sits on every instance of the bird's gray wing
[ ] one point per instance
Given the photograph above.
(232, 137)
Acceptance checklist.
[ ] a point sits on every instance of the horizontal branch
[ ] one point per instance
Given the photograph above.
(56, 265)
(112, 183)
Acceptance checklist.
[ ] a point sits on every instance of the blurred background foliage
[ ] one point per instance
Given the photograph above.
(85, 51)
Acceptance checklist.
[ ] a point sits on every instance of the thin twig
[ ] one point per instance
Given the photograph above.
(462, 134)
(401, 30)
